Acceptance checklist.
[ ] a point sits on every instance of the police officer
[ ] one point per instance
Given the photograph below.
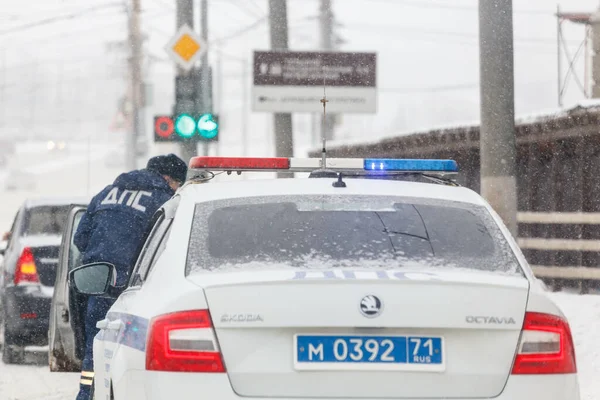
(112, 230)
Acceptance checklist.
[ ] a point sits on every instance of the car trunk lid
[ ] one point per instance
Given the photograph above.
(306, 333)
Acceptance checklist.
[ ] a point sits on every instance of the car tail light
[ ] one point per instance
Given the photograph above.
(26, 271)
(183, 342)
(546, 346)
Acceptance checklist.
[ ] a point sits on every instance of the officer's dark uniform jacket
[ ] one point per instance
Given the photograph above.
(117, 218)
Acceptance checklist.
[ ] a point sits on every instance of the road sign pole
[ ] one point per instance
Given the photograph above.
(206, 82)
(135, 64)
(185, 16)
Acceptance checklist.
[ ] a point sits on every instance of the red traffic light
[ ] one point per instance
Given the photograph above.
(163, 126)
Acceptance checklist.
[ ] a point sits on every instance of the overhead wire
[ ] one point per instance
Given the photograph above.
(52, 20)
(414, 30)
(437, 5)
(245, 9)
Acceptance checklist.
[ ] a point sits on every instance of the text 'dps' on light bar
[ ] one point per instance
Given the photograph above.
(240, 163)
(407, 165)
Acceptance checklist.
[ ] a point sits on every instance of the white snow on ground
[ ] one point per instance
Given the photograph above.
(583, 313)
(36, 382)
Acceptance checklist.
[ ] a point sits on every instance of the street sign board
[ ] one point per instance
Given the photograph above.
(186, 47)
(286, 81)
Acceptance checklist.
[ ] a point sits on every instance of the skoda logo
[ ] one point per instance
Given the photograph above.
(371, 306)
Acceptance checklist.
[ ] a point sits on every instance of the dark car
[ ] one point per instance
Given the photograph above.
(28, 273)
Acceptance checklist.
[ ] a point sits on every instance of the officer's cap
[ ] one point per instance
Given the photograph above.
(169, 165)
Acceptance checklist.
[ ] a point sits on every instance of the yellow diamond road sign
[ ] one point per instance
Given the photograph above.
(186, 47)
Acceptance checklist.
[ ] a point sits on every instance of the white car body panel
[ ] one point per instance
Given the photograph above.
(259, 353)
(159, 386)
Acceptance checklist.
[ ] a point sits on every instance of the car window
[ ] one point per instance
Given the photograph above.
(161, 247)
(45, 220)
(14, 228)
(149, 250)
(346, 231)
(75, 255)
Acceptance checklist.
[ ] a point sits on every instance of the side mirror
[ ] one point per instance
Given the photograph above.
(3, 246)
(94, 279)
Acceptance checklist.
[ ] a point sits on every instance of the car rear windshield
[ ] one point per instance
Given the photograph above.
(45, 220)
(346, 231)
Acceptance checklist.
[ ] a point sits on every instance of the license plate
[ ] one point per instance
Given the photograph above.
(369, 352)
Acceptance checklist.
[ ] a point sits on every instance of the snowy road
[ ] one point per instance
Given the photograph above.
(67, 175)
(33, 382)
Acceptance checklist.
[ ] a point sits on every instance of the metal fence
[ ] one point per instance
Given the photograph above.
(558, 183)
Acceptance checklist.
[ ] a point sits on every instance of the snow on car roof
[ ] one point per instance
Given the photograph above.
(316, 186)
(55, 201)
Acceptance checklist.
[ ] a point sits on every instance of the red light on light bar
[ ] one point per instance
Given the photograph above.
(240, 163)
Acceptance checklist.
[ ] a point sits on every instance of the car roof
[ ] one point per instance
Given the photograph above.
(55, 201)
(318, 186)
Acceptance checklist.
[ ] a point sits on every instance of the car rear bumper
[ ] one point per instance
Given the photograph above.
(27, 311)
(146, 385)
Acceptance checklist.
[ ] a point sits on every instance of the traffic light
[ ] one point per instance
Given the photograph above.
(186, 126)
(208, 126)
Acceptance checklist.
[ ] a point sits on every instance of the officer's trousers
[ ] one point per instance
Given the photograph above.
(97, 308)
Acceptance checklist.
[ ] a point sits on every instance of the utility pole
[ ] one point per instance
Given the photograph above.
(185, 16)
(245, 105)
(326, 43)
(218, 106)
(595, 28)
(135, 64)
(2, 88)
(206, 82)
(497, 132)
(284, 136)
(559, 58)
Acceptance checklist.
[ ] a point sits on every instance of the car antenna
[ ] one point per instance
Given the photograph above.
(323, 172)
(323, 132)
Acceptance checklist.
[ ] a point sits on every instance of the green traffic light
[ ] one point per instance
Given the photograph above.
(207, 126)
(185, 126)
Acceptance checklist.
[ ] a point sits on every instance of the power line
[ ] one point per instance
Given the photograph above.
(431, 89)
(240, 32)
(52, 20)
(259, 8)
(245, 9)
(165, 5)
(437, 5)
(386, 28)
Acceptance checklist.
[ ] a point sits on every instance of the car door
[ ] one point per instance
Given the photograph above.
(65, 334)
(12, 248)
(123, 340)
(5, 267)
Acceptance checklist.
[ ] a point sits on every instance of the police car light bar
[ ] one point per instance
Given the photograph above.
(375, 164)
(357, 165)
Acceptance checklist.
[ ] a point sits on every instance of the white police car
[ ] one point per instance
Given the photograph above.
(330, 287)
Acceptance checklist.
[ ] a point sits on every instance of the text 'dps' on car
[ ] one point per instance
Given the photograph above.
(371, 278)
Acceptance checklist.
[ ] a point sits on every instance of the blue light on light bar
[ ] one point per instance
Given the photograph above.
(390, 164)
